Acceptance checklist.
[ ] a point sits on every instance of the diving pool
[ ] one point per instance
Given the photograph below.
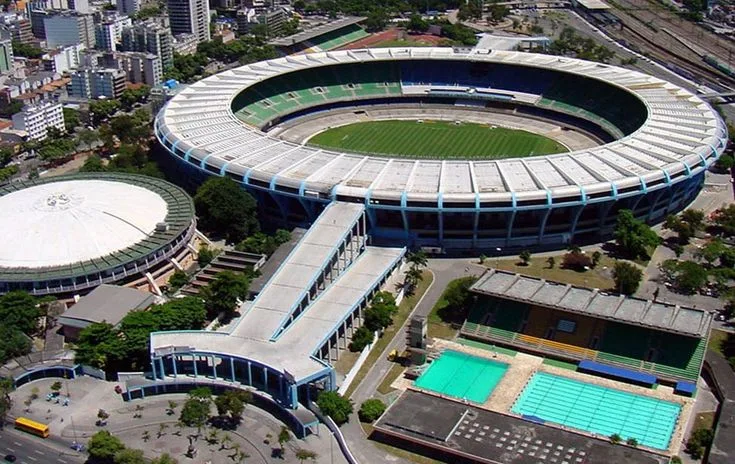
(600, 410)
(462, 376)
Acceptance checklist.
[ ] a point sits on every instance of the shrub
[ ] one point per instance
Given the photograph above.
(632, 441)
(360, 339)
(371, 410)
(615, 438)
(525, 256)
(335, 406)
(576, 260)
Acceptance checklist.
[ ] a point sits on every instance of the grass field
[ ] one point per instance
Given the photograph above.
(435, 139)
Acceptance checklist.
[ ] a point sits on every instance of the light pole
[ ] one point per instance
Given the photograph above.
(498, 250)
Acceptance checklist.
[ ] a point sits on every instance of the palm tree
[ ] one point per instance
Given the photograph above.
(171, 407)
(161, 428)
(283, 438)
(146, 436)
(417, 259)
(412, 277)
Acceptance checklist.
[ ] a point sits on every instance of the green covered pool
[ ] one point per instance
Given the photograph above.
(462, 376)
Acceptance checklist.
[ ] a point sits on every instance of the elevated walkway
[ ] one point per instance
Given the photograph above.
(297, 324)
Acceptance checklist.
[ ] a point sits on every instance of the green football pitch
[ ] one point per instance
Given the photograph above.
(435, 139)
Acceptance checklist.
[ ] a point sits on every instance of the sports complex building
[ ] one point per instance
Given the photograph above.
(67, 235)
(654, 142)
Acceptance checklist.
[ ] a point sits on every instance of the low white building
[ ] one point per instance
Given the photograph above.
(63, 59)
(35, 120)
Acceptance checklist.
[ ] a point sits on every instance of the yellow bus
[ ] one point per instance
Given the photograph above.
(36, 428)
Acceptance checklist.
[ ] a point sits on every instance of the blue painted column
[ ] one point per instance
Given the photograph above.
(153, 368)
(214, 367)
(173, 361)
(232, 369)
(162, 369)
(294, 395)
(265, 377)
(332, 380)
(196, 373)
(250, 375)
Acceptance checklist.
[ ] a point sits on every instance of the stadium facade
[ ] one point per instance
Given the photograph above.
(658, 141)
(66, 235)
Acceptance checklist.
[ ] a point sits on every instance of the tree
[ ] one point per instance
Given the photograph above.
(632, 441)
(360, 339)
(551, 261)
(205, 255)
(283, 437)
(577, 260)
(417, 259)
(615, 438)
(20, 310)
(724, 219)
(335, 406)
(103, 447)
(222, 294)
(56, 387)
(13, 343)
(380, 313)
(525, 256)
(226, 209)
(195, 411)
(685, 225)
(98, 345)
(713, 251)
(25, 50)
(93, 163)
(172, 405)
(178, 279)
(596, 257)
(263, 244)
(458, 299)
(129, 456)
(627, 277)
(165, 458)
(304, 454)
(71, 119)
(6, 403)
(633, 236)
(498, 12)
(371, 410)
(231, 404)
(100, 110)
(690, 277)
(417, 24)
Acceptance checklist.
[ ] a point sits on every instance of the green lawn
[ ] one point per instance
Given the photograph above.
(435, 139)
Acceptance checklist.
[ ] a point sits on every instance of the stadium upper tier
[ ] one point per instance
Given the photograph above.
(664, 134)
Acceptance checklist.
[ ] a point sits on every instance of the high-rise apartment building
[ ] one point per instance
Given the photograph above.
(65, 28)
(6, 51)
(21, 30)
(95, 83)
(35, 120)
(63, 59)
(141, 68)
(128, 7)
(190, 17)
(149, 37)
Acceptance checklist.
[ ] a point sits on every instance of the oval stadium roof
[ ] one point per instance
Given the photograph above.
(681, 135)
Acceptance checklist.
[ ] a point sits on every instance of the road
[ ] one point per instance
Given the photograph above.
(33, 450)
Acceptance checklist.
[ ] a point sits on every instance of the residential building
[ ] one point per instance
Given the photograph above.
(94, 83)
(185, 44)
(141, 68)
(274, 20)
(189, 17)
(80, 6)
(128, 7)
(21, 30)
(6, 51)
(69, 28)
(149, 37)
(163, 92)
(35, 120)
(38, 18)
(63, 59)
(104, 36)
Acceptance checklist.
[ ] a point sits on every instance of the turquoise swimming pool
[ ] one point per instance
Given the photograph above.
(601, 410)
(462, 376)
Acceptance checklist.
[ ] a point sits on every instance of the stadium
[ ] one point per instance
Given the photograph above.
(66, 235)
(640, 143)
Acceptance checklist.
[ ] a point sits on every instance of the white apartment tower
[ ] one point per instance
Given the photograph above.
(37, 119)
(128, 7)
(190, 17)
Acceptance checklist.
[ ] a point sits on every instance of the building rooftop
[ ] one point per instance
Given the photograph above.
(594, 302)
(67, 222)
(316, 31)
(462, 430)
(106, 303)
(594, 4)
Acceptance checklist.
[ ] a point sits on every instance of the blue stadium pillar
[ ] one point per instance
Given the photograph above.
(153, 368)
(214, 367)
(265, 377)
(194, 357)
(332, 380)
(575, 221)
(232, 369)
(161, 368)
(173, 363)
(294, 395)
(250, 375)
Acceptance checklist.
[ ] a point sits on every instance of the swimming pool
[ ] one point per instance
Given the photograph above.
(601, 410)
(462, 376)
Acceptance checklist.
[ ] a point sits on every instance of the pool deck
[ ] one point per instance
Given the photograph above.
(521, 368)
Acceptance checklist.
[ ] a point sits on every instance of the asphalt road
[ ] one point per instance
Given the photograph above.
(33, 450)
